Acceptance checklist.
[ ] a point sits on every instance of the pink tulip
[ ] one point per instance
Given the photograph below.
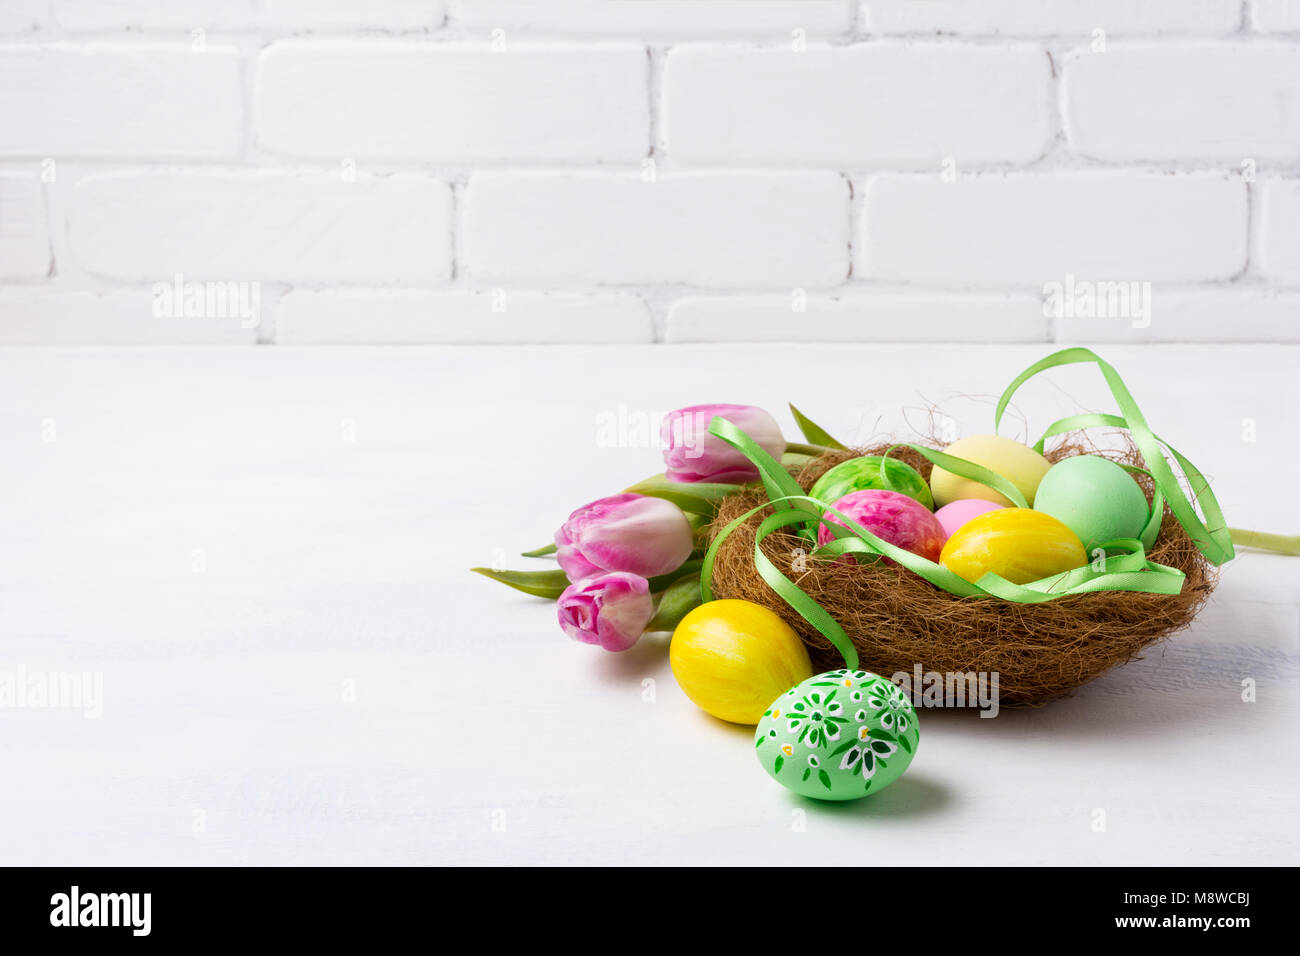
(692, 454)
(611, 610)
(635, 533)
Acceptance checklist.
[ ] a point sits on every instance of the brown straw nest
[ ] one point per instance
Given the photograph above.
(898, 620)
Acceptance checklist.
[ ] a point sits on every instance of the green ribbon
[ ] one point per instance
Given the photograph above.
(1211, 534)
(964, 469)
(1122, 566)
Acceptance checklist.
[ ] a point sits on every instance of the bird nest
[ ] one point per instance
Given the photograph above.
(898, 621)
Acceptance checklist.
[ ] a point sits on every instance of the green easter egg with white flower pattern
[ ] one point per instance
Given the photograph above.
(840, 735)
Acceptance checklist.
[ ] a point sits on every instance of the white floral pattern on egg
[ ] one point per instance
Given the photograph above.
(839, 735)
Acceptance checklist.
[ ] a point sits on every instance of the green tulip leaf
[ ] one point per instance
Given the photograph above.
(546, 584)
(697, 497)
(665, 581)
(682, 597)
(815, 434)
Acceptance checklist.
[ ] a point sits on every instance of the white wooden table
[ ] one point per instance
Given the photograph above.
(264, 551)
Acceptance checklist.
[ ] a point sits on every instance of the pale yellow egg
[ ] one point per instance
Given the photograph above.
(1016, 462)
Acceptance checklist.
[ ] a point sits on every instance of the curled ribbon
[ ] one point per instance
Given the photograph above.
(1211, 535)
(1128, 569)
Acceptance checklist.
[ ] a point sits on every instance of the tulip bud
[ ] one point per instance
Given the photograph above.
(611, 610)
(627, 532)
(692, 454)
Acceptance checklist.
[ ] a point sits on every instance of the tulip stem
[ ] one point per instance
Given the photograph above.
(803, 448)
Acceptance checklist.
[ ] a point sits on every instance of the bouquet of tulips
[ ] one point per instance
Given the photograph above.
(630, 563)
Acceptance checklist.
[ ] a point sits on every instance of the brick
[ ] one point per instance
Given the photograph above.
(24, 16)
(177, 15)
(120, 100)
(1205, 315)
(461, 317)
(244, 16)
(730, 19)
(859, 317)
(24, 240)
(454, 103)
(721, 229)
(323, 15)
(1006, 230)
(1280, 229)
(1228, 101)
(1275, 16)
(262, 225)
(859, 105)
(1051, 17)
(46, 317)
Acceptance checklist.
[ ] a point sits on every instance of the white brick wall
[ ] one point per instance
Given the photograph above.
(850, 107)
(406, 317)
(1280, 228)
(24, 243)
(880, 317)
(40, 317)
(1148, 102)
(743, 230)
(261, 225)
(742, 19)
(248, 16)
(1281, 16)
(1052, 17)
(556, 103)
(631, 171)
(1026, 229)
(120, 100)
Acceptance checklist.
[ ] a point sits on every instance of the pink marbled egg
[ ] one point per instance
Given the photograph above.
(956, 513)
(890, 516)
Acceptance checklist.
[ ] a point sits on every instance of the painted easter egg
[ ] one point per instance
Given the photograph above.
(840, 735)
(1095, 498)
(1019, 544)
(861, 474)
(731, 658)
(956, 513)
(892, 517)
(1019, 464)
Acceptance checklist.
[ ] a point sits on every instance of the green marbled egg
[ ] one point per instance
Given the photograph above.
(862, 474)
(838, 736)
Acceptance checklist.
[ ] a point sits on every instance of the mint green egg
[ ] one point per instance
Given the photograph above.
(840, 735)
(861, 474)
(1095, 498)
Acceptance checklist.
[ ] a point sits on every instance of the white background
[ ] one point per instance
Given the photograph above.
(420, 171)
(631, 206)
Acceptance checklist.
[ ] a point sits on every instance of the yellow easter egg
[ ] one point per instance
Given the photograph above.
(1018, 544)
(733, 658)
(1019, 464)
